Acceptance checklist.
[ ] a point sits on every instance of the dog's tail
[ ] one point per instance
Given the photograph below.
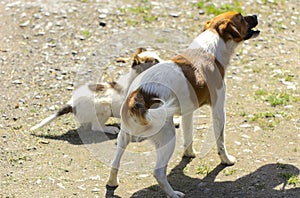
(145, 112)
(64, 110)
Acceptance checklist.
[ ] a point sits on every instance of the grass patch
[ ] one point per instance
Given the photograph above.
(278, 99)
(33, 110)
(139, 10)
(86, 33)
(275, 98)
(229, 172)
(210, 8)
(267, 120)
(149, 18)
(258, 116)
(142, 11)
(203, 170)
(132, 22)
(274, 2)
(291, 178)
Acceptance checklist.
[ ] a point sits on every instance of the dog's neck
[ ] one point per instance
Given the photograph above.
(211, 42)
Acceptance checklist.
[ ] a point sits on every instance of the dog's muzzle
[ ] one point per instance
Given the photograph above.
(252, 23)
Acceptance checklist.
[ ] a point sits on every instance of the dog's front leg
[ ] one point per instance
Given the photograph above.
(165, 144)
(225, 157)
(122, 142)
(187, 129)
(219, 118)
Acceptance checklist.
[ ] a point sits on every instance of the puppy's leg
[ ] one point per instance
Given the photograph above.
(165, 143)
(122, 142)
(187, 129)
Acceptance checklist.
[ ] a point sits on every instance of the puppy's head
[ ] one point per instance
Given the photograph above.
(233, 26)
(143, 59)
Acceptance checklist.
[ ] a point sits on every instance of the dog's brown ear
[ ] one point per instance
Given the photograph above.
(207, 25)
(232, 29)
(228, 30)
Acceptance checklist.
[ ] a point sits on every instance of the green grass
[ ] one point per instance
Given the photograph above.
(229, 172)
(291, 178)
(203, 170)
(86, 33)
(212, 9)
(142, 11)
(139, 10)
(274, 2)
(258, 116)
(267, 120)
(275, 98)
(149, 18)
(278, 99)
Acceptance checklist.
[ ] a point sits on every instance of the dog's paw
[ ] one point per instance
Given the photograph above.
(189, 152)
(228, 160)
(177, 194)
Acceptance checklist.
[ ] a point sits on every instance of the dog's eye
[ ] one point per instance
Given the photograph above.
(242, 19)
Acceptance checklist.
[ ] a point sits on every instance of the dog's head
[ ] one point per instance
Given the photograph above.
(233, 26)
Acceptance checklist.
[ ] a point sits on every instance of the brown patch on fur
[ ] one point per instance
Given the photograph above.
(103, 87)
(66, 109)
(138, 104)
(117, 87)
(97, 87)
(196, 77)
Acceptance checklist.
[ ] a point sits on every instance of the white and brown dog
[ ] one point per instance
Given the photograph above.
(93, 104)
(180, 86)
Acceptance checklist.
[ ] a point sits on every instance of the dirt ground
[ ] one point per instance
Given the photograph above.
(47, 47)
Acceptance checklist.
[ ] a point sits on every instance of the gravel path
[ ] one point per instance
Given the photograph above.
(48, 47)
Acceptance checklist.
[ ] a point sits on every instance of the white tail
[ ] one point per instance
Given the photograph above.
(66, 109)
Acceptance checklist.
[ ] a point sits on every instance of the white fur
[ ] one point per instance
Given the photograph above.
(168, 82)
(211, 42)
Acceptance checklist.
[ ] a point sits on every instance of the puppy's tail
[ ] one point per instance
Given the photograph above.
(66, 109)
(145, 112)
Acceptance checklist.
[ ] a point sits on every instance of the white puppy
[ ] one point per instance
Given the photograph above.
(93, 104)
(180, 86)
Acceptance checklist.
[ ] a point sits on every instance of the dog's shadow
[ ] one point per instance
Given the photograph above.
(270, 180)
(80, 136)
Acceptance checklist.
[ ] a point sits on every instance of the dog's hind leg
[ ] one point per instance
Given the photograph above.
(122, 142)
(188, 133)
(165, 144)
